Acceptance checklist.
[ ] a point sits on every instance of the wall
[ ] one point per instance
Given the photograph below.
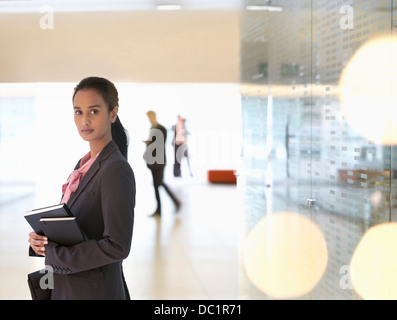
(128, 46)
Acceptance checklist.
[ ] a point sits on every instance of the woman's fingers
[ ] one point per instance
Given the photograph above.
(37, 242)
(37, 239)
(36, 236)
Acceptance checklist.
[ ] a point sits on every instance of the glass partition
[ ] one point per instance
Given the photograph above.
(318, 93)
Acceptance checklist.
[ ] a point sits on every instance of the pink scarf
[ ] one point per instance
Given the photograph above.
(74, 179)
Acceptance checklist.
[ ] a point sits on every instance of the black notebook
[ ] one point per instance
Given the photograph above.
(34, 216)
(62, 230)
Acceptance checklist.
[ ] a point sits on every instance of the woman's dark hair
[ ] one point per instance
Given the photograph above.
(109, 93)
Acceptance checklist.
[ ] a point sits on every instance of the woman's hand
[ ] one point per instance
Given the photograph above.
(38, 242)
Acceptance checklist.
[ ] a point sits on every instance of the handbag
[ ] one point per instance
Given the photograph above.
(36, 291)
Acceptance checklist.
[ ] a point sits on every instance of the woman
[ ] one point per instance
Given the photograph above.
(101, 194)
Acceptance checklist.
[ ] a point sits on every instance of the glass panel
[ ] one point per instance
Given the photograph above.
(276, 88)
(351, 175)
(16, 136)
(255, 77)
(317, 123)
(394, 147)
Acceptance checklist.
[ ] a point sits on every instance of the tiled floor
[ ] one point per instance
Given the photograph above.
(192, 254)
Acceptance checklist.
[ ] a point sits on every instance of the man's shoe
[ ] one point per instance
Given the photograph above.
(157, 213)
(177, 206)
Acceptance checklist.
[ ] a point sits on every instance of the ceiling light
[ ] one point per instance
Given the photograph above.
(264, 8)
(168, 7)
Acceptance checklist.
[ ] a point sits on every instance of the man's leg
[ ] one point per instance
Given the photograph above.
(157, 179)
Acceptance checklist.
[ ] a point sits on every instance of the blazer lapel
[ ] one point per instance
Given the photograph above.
(107, 150)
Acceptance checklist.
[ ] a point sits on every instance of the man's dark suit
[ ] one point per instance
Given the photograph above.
(104, 206)
(156, 168)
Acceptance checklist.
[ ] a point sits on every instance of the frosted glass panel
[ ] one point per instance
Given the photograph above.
(319, 108)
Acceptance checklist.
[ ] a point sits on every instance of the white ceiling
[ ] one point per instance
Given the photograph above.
(116, 5)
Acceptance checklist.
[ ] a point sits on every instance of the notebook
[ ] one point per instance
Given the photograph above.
(33, 216)
(63, 230)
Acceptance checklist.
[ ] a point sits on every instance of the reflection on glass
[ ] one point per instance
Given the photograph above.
(315, 59)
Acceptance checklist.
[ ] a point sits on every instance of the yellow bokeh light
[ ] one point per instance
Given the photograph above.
(285, 255)
(373, 267)
(368, 87)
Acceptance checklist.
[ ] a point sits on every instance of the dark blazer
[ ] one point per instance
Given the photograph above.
(104, 207)
(152, 153)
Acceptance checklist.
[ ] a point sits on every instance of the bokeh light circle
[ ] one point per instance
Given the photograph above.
(285, 255)
(373, 268)
(368, 88)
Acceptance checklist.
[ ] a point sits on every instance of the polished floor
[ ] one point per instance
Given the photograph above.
(191, 254)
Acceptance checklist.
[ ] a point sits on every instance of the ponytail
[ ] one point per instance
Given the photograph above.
(120, 137)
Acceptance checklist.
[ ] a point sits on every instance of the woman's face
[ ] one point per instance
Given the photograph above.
(92, 117)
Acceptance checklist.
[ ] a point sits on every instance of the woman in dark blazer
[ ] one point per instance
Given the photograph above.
(101, 196)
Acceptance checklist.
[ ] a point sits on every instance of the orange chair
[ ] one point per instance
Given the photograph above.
(222, 176)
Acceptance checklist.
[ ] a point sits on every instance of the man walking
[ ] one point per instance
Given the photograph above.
(155, 157)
